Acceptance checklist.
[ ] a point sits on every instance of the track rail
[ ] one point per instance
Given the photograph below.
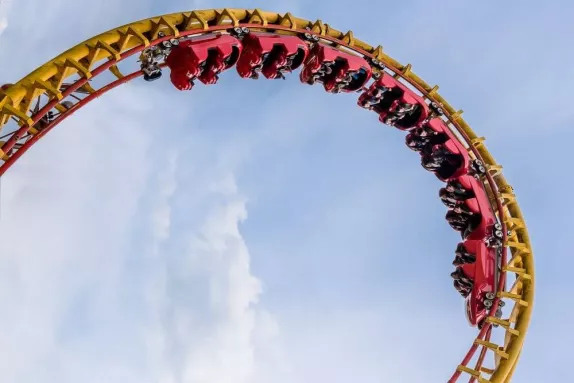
(22, 124)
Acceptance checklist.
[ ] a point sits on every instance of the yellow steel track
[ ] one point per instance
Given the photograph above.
(47, 80)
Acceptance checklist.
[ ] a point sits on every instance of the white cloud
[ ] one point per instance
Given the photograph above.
(90, 258)
(63, 231)
(212, 337)
(224, 354)
(3, 17)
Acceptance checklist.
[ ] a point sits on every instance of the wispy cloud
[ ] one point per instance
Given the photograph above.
(127, 277)
(62, 277)
(203, 296)
(4, 8)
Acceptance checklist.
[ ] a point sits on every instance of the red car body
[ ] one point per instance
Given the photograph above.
(270, 54)
(483, 274)
(202, 59)
(396, 96)
(343, 64)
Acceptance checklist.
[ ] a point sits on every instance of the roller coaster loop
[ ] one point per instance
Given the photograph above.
(495, 246)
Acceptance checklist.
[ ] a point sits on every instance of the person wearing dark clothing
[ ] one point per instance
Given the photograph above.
(462, 219)
(462, 256)
(456, 189)
(464, 291)
(430, 163)
(442, 162)
(374, 99)
(415, 141)
(447, 198)
(461, 282)
(458, 226)
(458, 275)
(464, 211)
(449, 162)
(435, 138)
(465, 214)
(423, 139)
(453, 193)
(402, 111)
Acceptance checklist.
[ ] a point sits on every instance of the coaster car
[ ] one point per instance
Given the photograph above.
(202, 59)
(272, 55)
(338, 71)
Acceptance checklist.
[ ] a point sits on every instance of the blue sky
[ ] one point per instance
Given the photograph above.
(300, 242)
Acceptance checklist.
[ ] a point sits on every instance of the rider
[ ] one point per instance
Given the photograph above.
(456, 220)
(453, 193)
(450, 162)
(401, 111)
(458, 275)
(321, 73)
(462, 219)
(463, 290)
(461, 282)
(423, 139)
(415, 141)
(442, 162)
(350, 78)
(462, 256)
(374, 98)
(430, 163)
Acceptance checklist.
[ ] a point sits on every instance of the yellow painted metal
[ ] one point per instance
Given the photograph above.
(46, 79)
(116, 71)
(504, 323)
(53, 92)
(96, 50)
(493, 347)
(468, 370)
(473, 373)
(19, 114)
(87, 88)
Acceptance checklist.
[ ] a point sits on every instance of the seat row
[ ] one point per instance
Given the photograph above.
(204, 58)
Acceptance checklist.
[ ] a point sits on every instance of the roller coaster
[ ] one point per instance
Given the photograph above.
(493, 262)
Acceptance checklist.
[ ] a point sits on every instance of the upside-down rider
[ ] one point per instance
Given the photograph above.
(423, 139)
(374, 98)
(462, 283)
(442, 162)
(453, 194)
(462, 256)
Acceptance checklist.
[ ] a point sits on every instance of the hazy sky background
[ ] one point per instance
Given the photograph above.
(261, 231)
